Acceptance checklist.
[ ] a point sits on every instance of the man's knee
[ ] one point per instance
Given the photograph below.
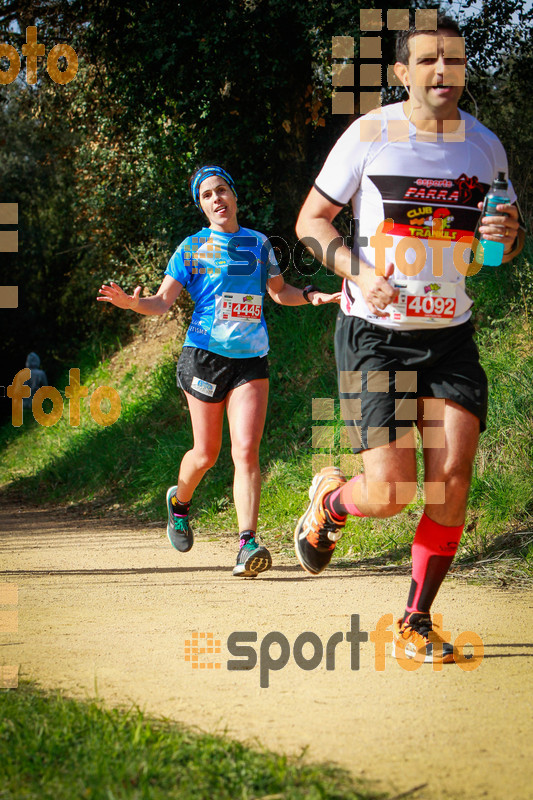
(448, 488)
(388, 497)
(455, 476)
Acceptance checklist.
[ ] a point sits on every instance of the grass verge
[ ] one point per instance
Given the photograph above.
(54, 748)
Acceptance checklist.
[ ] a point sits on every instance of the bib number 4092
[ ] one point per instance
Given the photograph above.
(430, 306)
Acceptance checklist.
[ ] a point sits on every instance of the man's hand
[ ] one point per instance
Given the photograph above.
(503, 228)
(115, 295)
(377, 291)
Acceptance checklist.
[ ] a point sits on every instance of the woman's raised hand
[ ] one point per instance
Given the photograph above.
(115, 295)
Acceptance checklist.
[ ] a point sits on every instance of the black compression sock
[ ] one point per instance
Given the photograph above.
(336, 513)
(180, 508)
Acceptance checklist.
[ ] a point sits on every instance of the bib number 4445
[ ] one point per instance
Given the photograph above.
(246, 311)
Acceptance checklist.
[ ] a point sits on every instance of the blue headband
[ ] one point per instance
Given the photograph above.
(207, 172)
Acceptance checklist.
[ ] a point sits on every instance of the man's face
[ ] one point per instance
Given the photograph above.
(435, 73)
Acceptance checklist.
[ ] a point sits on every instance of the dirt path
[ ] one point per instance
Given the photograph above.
(107, 610)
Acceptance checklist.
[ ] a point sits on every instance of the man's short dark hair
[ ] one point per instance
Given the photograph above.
(444, 22)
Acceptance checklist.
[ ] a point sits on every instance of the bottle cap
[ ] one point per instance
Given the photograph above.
(500, 182)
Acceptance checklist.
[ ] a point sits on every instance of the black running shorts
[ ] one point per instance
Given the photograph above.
(381, 372)
(209, 377)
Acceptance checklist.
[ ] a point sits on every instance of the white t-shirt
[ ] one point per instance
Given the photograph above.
(389, 171)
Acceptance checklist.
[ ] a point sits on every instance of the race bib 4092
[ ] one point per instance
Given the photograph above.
(424, 302)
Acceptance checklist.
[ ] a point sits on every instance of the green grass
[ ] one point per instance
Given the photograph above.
(55, 748)
(131, 463)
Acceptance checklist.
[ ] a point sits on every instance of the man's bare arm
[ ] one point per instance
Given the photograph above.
(316, 231)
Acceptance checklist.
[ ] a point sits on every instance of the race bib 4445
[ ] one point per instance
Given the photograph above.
(241, 307)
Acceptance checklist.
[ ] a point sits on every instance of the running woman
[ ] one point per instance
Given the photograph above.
(223, 365)
(404, 347)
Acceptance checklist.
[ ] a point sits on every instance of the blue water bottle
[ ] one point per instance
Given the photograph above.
(493, 251)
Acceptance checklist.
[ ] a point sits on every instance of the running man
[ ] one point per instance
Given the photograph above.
(404, 359)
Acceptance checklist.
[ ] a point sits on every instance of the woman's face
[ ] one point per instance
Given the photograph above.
(219, 204)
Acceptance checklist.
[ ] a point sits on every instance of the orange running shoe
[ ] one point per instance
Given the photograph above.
(416, 638)
(316, 533)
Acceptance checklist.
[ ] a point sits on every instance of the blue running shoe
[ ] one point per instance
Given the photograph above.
(179, 530)
(252, 559)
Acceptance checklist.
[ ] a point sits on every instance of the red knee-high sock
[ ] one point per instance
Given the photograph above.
(339, 503)
(434, 548)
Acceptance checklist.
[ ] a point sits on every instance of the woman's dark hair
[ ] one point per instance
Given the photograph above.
(201, 166)
(402, 37)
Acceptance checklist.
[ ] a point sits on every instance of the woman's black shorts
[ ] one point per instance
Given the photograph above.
(381, 372)
(209, 377)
